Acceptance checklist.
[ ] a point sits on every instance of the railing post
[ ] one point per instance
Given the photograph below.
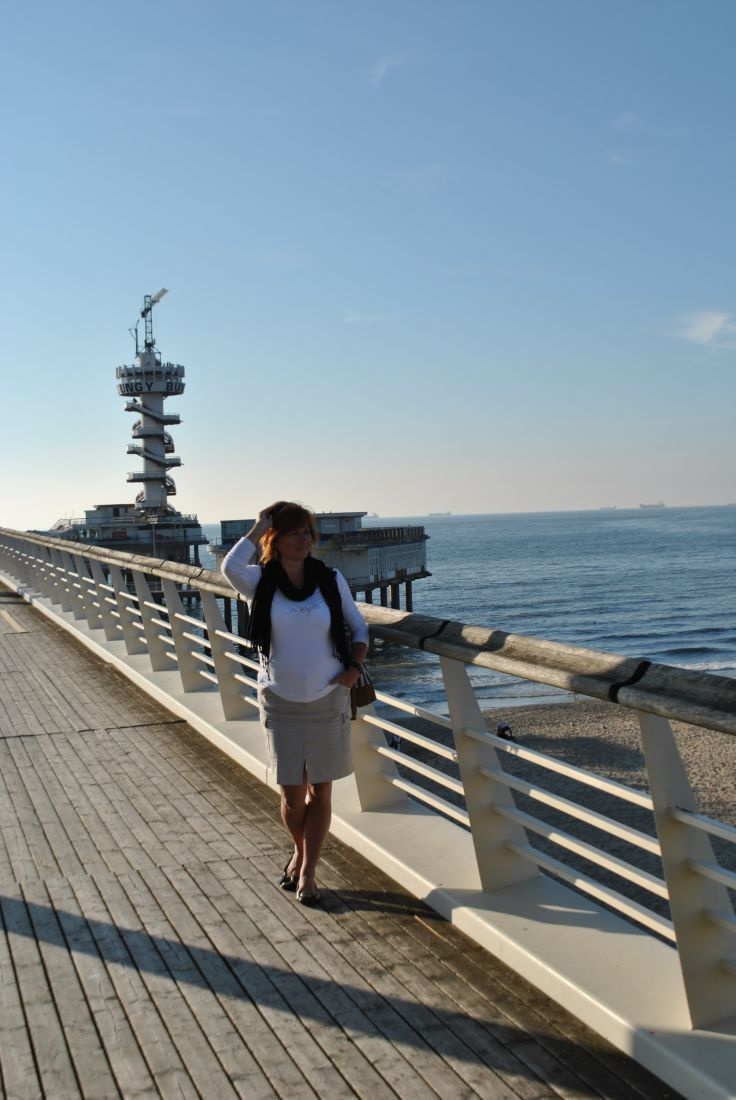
(373, 771)
(57, 591)
(39, 564)
(104, 600)
(73, 582)
(12, 560)
(65, 591)
(134, 641)
(15, 560)
(87, 590)
(231, 690)
(189, 668)
(34, 567)
(492, 833)
(702, 944)
(162, 660)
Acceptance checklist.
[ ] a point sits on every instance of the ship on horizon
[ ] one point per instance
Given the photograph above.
(658, 504)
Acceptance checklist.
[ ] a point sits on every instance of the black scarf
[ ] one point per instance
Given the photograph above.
(316, 575)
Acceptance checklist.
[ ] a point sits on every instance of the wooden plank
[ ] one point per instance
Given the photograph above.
(164, 966)
(328, 1002)
(27, 845)
(9, 624)
(486, 992)
(308, 1036)
(116, 1036)
(248, 1053)
(89, 1060)
(151, 1033)
(17, 1064)
(45, 1031)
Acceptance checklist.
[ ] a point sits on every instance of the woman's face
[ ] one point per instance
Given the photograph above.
(296, 544)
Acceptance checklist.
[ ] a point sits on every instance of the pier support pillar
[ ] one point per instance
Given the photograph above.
(408, 597)
(384, 597)
(368, 595)
(395, 600)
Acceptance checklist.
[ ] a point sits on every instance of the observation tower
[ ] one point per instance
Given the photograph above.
(149, 526)
(148, 383)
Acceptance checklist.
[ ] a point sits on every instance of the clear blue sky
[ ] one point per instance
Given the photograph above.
(432, 255)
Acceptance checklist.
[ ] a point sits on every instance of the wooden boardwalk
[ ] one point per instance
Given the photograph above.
(146, 949)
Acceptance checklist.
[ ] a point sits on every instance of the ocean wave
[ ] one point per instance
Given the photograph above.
(725, 667)
(686, 650)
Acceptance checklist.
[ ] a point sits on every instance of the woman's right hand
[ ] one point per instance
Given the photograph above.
(262, 524)
(265, 516)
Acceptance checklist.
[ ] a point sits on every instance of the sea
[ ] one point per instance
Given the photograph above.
(655, 583)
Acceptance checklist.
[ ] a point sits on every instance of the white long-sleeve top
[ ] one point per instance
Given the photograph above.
(301, 665)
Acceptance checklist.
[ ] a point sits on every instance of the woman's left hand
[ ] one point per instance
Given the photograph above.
(348, 678)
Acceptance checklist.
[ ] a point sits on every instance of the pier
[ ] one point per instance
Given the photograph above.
(141, 841)
(148, 951)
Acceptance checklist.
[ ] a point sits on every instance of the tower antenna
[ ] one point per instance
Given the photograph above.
(149, 302)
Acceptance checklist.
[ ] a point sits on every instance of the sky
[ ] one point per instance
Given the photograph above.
(422, 255)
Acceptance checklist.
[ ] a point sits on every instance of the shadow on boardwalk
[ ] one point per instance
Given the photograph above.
(502, 1058)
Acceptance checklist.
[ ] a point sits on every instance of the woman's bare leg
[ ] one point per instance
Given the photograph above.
(315, 826)
(294, 804)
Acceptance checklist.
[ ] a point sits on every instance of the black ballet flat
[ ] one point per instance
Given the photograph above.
(287, 881)
(308, 897)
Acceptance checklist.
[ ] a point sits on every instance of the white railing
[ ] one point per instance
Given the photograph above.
(494, 791)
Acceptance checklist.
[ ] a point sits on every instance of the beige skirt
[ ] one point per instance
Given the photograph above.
(307, 738)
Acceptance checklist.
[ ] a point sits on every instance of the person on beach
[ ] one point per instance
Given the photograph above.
(503, 729)
(311, 641)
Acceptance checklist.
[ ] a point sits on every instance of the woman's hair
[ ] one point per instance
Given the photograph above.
(286, 516)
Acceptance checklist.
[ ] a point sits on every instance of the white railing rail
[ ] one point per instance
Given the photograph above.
(468, 775)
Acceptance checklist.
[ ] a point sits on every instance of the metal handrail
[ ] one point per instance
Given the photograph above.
(699, 698)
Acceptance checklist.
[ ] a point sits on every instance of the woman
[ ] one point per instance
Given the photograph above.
(311, 641)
